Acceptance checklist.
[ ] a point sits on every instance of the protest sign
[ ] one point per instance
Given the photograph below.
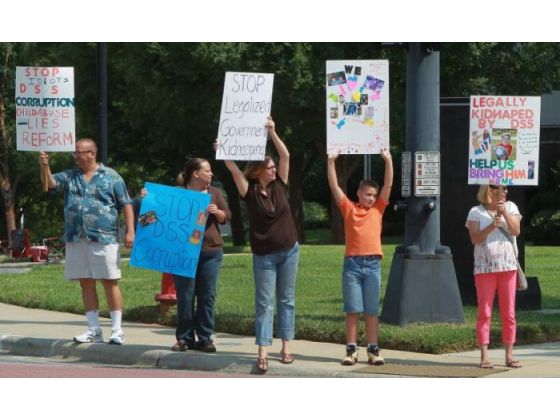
(504, 140)
(357, 106)
(170, 230)
(45, 107)
(245, 107)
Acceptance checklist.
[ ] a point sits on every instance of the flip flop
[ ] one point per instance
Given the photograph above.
(513, 363)
(286, 358)
(486, 365)
(262, 364)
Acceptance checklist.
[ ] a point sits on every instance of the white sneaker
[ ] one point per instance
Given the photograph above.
(351, 356)
(374, 356)
(117, 337)
(92, 335)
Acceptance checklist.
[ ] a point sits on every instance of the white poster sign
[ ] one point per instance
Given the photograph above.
(45, 108)
(504, 140)
(246, 105)
(357, 111)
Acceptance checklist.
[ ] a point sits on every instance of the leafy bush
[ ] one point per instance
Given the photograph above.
(545, 227)
(315, 215)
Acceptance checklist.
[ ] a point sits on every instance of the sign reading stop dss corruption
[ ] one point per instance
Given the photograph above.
(170, 230)
(245, 107)
(45, 109)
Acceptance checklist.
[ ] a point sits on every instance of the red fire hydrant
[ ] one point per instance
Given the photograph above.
(168, 296)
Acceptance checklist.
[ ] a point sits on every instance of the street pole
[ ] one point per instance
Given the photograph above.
(367, 166)
(102, 100)
(422, 282)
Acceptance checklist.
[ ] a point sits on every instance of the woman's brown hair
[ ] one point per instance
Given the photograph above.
(193, 164)
(253, 170)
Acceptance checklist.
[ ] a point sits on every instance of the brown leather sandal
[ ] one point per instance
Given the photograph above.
(286, 358)
(485, 364)
(262, 364)
(513, 363)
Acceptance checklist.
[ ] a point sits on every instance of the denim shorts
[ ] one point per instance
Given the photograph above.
(361, 284)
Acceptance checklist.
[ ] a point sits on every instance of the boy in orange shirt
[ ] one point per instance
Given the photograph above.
(361, 277)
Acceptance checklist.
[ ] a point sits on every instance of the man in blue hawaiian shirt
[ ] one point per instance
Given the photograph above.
(93, 196)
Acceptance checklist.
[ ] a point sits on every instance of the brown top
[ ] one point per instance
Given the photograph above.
(271, 224)
(212, 238)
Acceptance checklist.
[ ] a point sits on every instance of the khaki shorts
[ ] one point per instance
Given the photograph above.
(92, 260)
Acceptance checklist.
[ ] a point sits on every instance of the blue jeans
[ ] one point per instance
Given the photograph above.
(278, 271)
(199, 320)
(361, 284)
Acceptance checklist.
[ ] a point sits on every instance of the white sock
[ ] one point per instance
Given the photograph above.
(116, 318)
(93, 319)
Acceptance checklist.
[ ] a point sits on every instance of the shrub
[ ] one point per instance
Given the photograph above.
(315, 215)
(545, 226)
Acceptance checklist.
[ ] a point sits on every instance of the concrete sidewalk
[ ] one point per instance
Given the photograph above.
(35, 332)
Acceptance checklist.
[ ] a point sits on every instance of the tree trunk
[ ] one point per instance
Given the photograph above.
(236, 222)
(296, 194)
(345, 166)
(9, 207)
(8, 193)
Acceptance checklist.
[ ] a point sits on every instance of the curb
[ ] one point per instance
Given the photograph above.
(143, 356)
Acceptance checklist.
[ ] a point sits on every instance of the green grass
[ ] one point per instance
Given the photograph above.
(319, 299)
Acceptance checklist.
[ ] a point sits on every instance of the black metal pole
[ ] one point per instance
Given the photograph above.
(102, 100)
(422, 283)
(367, 166)
(422, 134)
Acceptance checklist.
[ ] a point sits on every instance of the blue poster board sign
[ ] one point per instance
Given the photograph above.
(170, 230)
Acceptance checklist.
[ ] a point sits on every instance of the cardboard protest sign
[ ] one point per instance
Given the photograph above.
(45, 107)
(245, 107)
(504, 140)
(170, 230)
(357, 111)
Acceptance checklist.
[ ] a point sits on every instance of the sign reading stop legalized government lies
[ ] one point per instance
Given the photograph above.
(245, 107)
(45, 106)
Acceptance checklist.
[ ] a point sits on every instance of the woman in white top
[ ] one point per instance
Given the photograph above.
(493, 226)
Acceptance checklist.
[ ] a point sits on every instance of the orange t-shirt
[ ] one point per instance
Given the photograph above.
(362, 227)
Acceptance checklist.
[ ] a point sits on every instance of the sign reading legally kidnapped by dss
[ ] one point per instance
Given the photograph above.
(170, 230)
(245, 107)
(45, 109)
(504, 140)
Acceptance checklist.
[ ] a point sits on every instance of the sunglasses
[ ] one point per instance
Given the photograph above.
(496, 187)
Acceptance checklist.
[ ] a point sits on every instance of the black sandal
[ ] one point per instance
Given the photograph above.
(179, 346)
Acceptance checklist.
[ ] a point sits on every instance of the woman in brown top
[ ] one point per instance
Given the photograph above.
(195, 321)
(273, 235)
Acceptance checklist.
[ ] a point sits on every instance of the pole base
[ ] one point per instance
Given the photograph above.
(422, 288)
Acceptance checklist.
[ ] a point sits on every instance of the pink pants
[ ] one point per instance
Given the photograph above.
(486, 286)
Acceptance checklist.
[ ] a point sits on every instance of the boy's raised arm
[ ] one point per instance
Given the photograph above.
(388, 179)
(336, 191)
